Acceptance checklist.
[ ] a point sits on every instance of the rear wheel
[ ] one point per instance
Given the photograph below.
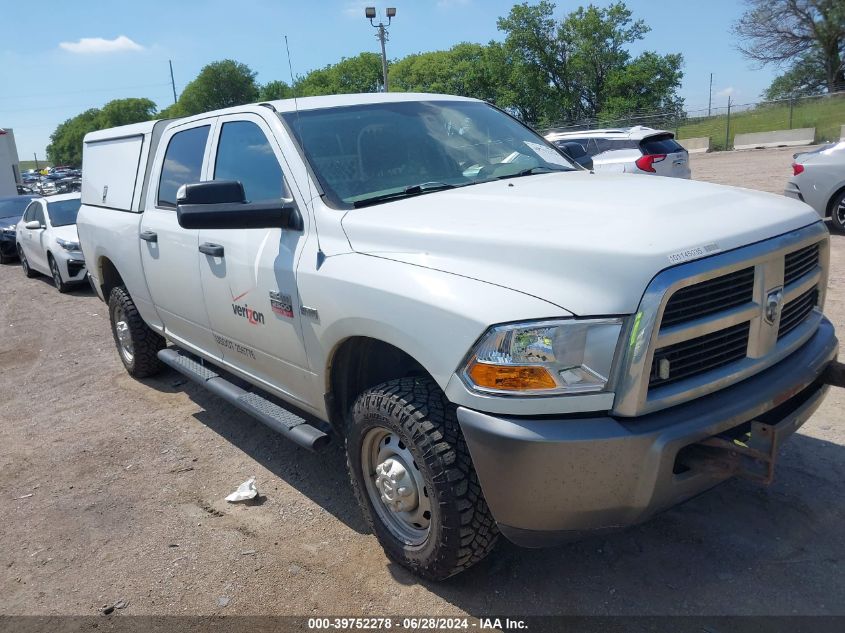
(414, 479)
(137, 344)
(25, 264)
(61, 286)
(837, 212)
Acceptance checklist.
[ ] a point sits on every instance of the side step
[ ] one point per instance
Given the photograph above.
(280, 420)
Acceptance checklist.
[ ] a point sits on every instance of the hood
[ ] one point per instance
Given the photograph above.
(67, 232)
(588, 243)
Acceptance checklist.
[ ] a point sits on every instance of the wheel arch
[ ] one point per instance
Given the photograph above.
(829, 208)
(108, 276)
(358, 363)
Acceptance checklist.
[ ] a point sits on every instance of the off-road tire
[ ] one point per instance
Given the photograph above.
(56, 274)
(27, 269)
(146, 343)
(837, 216)
(462, 530)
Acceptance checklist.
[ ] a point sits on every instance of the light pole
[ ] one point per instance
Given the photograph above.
(370, 14)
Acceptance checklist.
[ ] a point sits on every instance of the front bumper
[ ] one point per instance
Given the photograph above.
(7, 244)
(549, 480)
(72, 265)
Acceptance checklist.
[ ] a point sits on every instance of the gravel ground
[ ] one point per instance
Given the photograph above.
(112, 489)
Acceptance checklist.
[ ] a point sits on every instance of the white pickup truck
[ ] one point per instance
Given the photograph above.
(504, 341)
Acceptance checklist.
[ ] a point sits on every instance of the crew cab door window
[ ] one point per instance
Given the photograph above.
(245, 154)
(182, 163)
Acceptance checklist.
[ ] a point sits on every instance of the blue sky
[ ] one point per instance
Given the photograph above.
(49, 73)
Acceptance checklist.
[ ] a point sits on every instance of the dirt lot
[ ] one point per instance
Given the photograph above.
(112, 489)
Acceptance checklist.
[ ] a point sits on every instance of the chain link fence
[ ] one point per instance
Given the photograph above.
(825, 113)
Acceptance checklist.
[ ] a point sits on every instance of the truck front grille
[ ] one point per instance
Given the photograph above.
(707, 324)
(797, 310)
(800, 262)
(709, 297)
(699, 355)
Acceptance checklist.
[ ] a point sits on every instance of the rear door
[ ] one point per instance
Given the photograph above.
(251, 290)
(675, 161)
(169, 253)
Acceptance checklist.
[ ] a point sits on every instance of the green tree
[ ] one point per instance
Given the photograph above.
(468, 70)
(220, 84)
(580, 67)
(805, 77)
(65, 146)
(808, 36)
(275, 90)
(361, 73)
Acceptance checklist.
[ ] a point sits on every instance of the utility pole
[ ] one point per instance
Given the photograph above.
(728, 127)
(172, 82)
(382, 35)
(35, 156)
(710, 97)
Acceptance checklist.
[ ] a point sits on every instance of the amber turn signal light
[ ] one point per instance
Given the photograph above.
(511, 377)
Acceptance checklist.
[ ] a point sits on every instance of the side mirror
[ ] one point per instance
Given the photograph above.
(221, 204)
(33, 225)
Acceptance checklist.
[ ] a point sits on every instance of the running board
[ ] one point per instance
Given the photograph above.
(292, 426)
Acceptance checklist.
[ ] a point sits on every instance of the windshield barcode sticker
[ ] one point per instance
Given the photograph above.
(694, 253)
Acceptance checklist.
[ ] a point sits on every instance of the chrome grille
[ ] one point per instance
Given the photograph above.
(699, 355)
(796, 311)
(709, 297)
(800, 262)
(700, 319)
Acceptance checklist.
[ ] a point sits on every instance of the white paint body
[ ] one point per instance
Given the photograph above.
(428, 275)
(9, 166)
(39, 245)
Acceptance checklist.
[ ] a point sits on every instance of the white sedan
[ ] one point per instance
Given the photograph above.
(818, 178)
(47, 241)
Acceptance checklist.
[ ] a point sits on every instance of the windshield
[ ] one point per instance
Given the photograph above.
(63, 212)
(13, 207)
(371, 153)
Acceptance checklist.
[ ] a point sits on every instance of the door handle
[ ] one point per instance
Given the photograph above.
(149, 236)
(215, 250)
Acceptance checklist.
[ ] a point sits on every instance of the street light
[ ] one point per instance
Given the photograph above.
(370, 14)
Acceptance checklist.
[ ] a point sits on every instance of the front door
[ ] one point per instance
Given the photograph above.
(169, 253)
(33, 240)
(250, 290)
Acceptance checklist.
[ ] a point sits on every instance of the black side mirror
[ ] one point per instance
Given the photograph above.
(221, 204)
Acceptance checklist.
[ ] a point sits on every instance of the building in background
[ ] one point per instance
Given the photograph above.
(10, 173)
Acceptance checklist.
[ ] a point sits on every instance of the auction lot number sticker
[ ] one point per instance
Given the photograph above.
(415, 624)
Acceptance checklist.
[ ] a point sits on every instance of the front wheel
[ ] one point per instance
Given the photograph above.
(60, 284)
(837, 212)
(136, 342)
(414, 479)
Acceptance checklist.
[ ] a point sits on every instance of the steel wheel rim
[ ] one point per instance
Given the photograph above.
(124, 337)
(840, 212)
(24, 263)
(389, 467)
(57, 277)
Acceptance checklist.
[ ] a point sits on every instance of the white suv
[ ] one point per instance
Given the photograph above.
(636, 150)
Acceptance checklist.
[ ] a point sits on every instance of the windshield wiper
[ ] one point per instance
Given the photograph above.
(539, 169)
(413, 190)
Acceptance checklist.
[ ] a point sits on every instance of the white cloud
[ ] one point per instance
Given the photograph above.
(99, 45)
(726, 92)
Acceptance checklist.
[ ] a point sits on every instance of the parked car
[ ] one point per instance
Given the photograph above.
(818, 178)
(576, 151)
(47, 241)
(521, 347)
(11, 211)
(635, 150)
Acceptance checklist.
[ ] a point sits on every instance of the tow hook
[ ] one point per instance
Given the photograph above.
(834, 375)
(753, 455)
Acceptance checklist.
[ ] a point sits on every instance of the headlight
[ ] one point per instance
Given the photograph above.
(9, 229)
(67, 245)
(544, 358)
